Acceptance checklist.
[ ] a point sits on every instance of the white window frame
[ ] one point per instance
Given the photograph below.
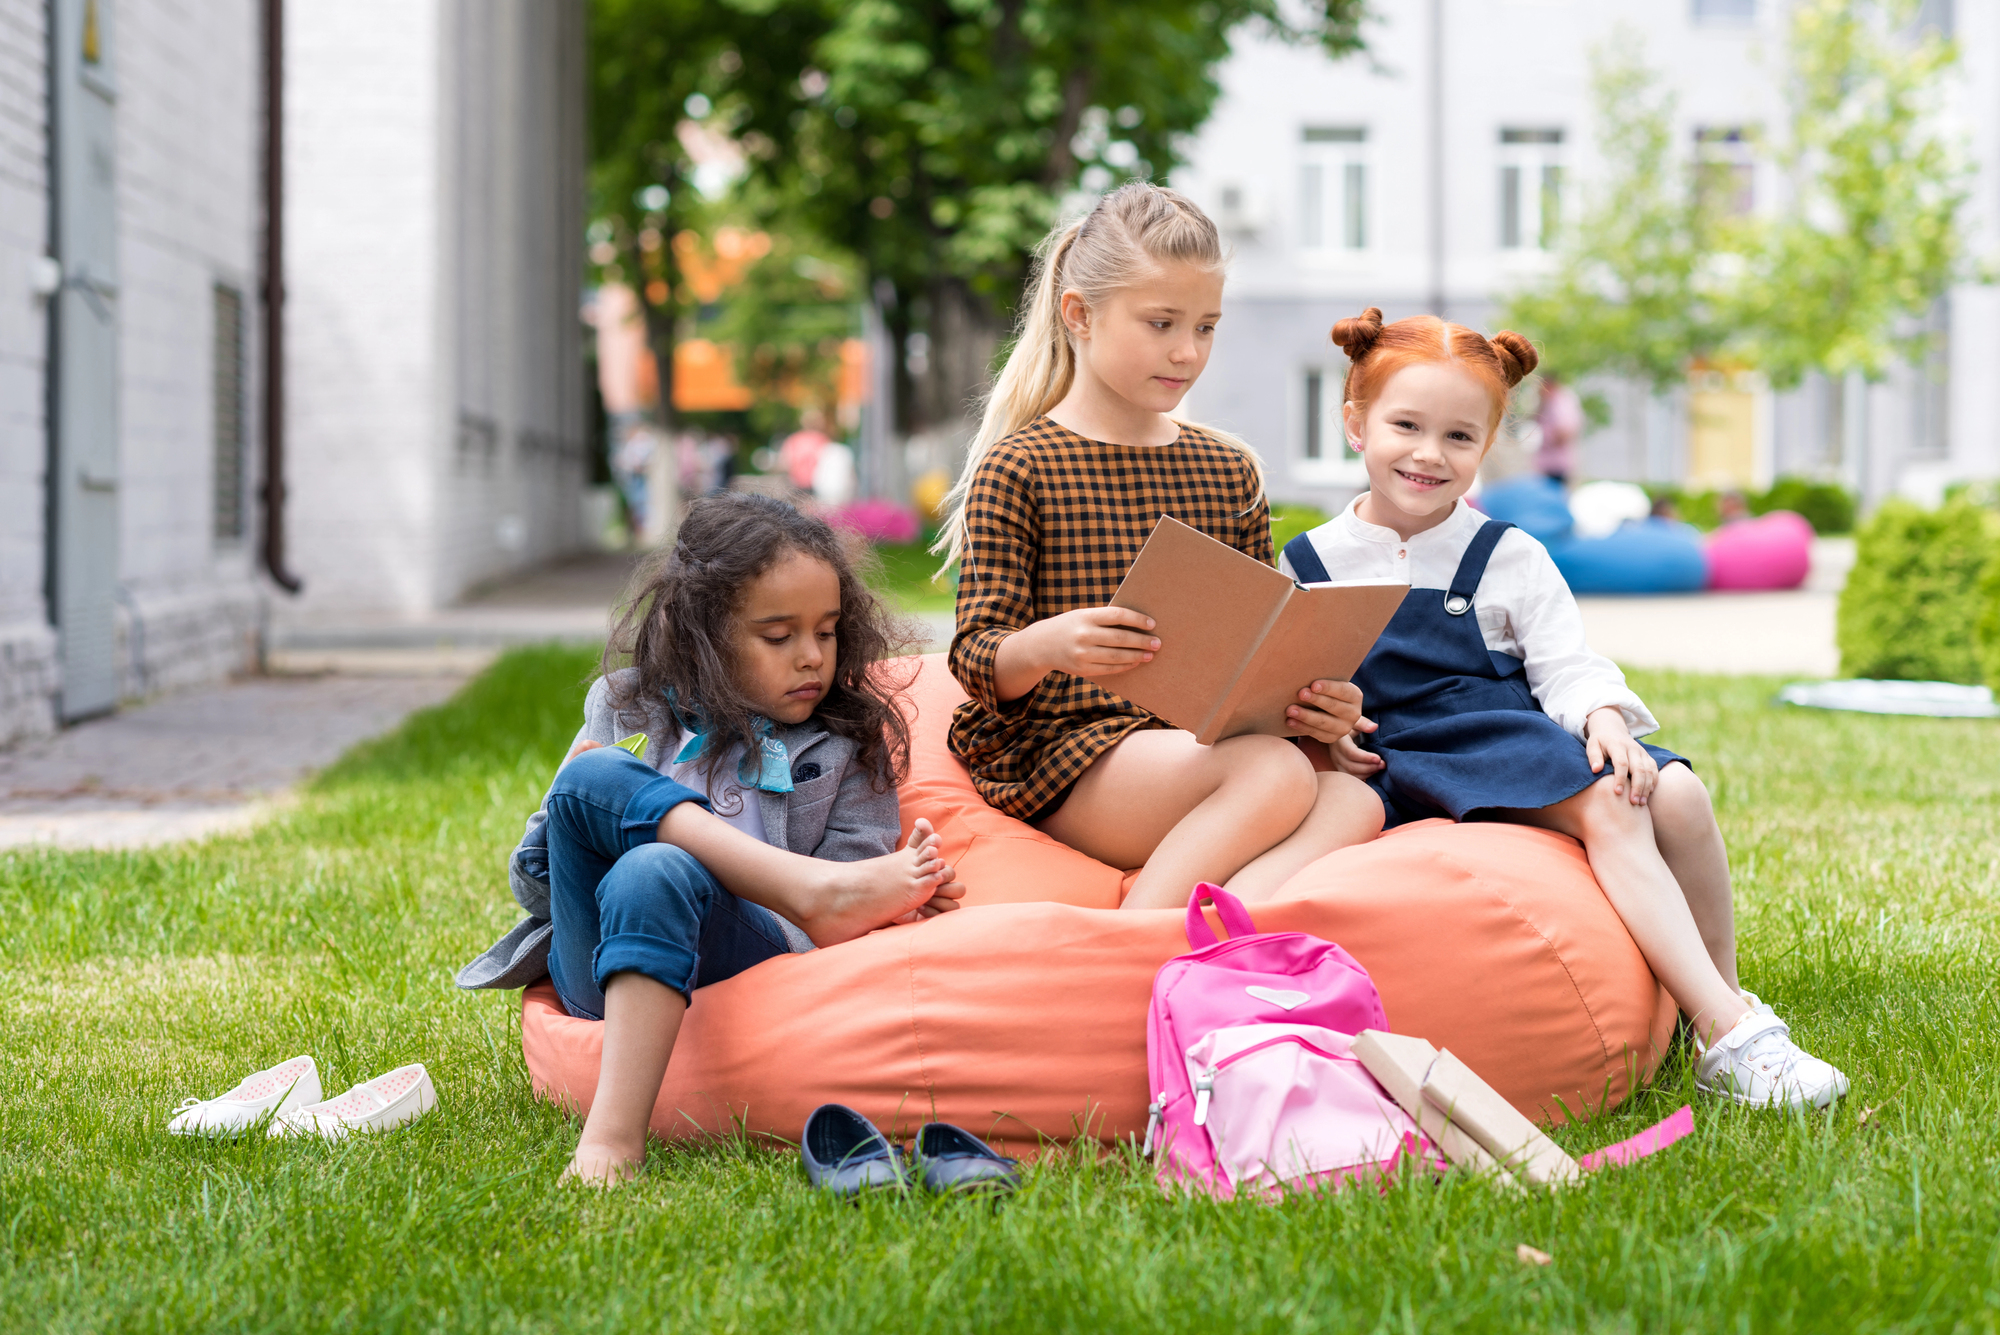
(1528, 189)
(1336, 180)
(1337, 464)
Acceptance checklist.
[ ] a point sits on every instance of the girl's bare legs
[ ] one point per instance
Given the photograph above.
(1184, 812)
(1684, 825)
(1619, 839)
(642, 1018)
(1346, 812)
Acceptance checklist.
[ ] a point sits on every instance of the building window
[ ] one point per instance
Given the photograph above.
(1323, 444)
(1725, 170)
(231, 439)
(1531, 183)
(1333, 188)
(1725, 11)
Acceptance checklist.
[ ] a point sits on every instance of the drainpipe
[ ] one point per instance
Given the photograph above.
(273, 491)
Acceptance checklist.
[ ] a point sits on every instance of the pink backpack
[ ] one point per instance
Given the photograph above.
(1247, 1053)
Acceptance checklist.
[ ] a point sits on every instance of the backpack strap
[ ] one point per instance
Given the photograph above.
(1307, 568)
(1227, 906)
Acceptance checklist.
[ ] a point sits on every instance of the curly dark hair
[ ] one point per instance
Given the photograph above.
(676, 628)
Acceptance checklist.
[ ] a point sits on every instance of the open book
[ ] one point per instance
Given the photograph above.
(1238, 639)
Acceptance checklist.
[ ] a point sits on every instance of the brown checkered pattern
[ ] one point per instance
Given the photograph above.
(1053, 521)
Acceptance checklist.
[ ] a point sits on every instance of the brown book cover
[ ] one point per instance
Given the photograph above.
(1237, 638)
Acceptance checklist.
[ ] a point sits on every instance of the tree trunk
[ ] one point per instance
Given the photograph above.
(965, 332)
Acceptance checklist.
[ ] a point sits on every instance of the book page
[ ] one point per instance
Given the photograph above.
(1211, 605)
(1323, 633)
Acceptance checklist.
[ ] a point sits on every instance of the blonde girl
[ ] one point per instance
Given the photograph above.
(1078, 455)
(1485, 702)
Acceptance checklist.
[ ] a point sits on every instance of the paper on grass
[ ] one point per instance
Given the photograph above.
(1237, 638)
(1936, 699)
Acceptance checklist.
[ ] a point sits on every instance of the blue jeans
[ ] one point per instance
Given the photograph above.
(623, 903)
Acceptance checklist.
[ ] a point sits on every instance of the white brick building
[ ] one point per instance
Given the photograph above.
(434, 426)
(1412, 179)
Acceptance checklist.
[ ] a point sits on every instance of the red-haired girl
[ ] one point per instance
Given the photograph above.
(1077, 456)
(1484, 701)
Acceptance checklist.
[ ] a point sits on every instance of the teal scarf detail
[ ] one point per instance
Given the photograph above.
(769, 767)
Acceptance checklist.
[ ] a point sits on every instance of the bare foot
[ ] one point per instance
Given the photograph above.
(852, 899)
(604, 1165)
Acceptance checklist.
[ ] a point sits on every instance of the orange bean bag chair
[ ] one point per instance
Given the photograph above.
(1022, 1016)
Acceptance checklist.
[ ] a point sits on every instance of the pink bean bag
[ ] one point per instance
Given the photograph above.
(1023, 1015)
(1773, 551)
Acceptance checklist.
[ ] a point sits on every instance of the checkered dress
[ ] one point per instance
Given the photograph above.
(1053, 521)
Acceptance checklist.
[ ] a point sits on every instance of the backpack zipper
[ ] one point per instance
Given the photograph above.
(1204, 1085)
(1154, 1112)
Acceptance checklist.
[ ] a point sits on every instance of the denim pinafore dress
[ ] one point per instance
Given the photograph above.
(1457, 726)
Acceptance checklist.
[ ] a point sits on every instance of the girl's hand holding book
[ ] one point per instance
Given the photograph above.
(1328, 711)
(1089, 642)
(1608, 741)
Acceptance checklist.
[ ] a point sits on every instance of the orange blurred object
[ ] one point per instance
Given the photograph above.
(705, 378)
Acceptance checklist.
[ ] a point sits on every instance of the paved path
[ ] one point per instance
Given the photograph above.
(198, 763)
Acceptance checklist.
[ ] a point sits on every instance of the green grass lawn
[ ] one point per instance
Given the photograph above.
(1866, 864)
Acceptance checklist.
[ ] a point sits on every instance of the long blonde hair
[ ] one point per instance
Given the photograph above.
(1130, 230)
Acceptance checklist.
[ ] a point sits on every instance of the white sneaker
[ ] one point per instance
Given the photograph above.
(1757, 1063)
(286, 1086)
(382, 1104)
(1757, 1005)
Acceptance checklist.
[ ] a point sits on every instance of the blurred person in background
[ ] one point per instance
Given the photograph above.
(1560, 417)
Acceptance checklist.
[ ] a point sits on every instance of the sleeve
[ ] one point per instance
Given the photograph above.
(1568, 679)
(862, 823)
(996, 573)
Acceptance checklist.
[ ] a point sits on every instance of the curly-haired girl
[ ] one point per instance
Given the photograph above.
(763, 819)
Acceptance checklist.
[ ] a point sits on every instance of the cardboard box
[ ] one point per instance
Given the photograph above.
(1237, 638)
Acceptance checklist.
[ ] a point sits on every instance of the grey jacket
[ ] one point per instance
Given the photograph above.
(832, 812)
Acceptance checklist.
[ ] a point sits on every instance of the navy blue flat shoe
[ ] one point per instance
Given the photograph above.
(845, 1154)
(953, 1161)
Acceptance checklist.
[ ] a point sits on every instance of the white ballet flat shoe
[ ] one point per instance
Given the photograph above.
(382, 1104)
(286, 1086)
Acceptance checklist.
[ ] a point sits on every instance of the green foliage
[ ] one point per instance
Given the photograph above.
(1869, 236)
(1987, 633)
(904, 574)
(1658, 277)
(1865, 879)
(1289, 519)
(1827, 506)
(1912, 605)
(1632, 294)
(786, 320)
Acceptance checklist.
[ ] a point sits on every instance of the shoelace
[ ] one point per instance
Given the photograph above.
(1773, 1052)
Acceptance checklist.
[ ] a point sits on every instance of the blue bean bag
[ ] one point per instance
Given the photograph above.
(1534, 504)
(1654, 556)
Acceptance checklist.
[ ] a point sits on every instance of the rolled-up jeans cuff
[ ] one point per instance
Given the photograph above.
(640, 823)
(664, 962)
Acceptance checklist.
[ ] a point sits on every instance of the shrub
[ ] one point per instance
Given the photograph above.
(1289, 519)
(1827, 506)
(1987, 633)
(1912, 605)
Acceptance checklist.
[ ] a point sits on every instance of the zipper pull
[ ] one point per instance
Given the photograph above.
(1204, 1085)
(1154, 1112)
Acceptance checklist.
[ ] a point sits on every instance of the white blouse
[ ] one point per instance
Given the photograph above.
(1524, 607)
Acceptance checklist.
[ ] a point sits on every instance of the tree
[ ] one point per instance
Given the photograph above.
(1869, 239)
(937, 141)
(657, 66)
(1657, 277)
(1635, 290)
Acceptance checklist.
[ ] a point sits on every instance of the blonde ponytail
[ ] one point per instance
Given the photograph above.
(1109, 248)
